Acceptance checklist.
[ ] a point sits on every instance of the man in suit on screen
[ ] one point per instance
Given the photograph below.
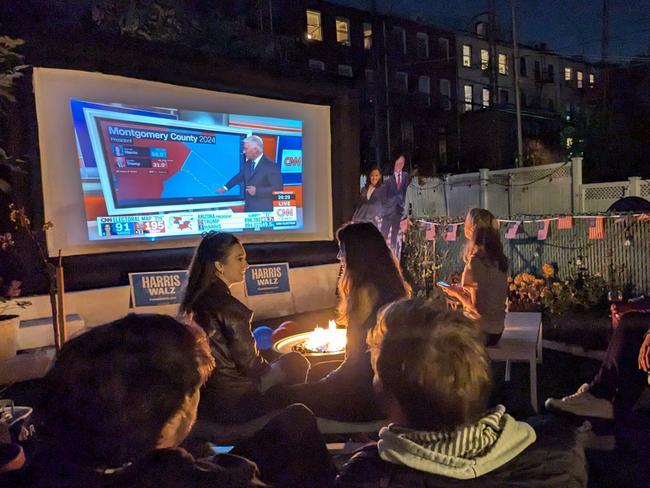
(260, 177)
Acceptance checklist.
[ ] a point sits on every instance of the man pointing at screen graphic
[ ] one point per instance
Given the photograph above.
(260, 177)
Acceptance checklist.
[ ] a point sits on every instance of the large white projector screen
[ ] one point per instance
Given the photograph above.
(130, 164)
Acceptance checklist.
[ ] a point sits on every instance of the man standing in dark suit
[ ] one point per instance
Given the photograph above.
(260, 177)
(393, 207)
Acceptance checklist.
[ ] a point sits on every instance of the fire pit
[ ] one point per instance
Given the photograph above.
(318, 345)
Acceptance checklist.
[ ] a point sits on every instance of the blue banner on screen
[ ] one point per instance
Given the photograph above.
(157, 288)
(149, 173)
(262, 279)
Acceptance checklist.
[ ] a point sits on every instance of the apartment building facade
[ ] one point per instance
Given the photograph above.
(555, 94)
(405, 72)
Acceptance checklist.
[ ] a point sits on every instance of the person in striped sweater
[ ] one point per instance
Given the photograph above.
(434, 371)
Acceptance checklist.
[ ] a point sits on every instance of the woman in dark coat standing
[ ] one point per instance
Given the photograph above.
(370, 205)
(233, 394)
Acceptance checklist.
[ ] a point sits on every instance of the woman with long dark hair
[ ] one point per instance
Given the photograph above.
(371, 199)
(233, 394)
(371, 278)
(484, 284)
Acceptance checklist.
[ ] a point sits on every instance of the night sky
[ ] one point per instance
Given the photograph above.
(570, 27)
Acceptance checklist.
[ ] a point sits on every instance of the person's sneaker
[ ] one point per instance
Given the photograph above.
(582, 403)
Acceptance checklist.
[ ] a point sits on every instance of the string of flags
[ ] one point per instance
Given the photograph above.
(595, 226)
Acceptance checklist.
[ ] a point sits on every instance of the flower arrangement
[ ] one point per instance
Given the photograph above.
(580, 291)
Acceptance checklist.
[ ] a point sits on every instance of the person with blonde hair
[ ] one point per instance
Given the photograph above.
(484, 285)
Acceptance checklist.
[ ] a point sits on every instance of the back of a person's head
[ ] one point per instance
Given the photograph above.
(369, 261)
(112, 389)
(432, 363)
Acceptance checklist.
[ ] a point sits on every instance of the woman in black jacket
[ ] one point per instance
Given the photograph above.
(371, 199)
(233, 394)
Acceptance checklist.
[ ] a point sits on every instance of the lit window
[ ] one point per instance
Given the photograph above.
(343, 31)
(592, 79)
(443, 47)
(400, 38)
(469, 97)
(402, 81)
(422, 45)
(445, 94)
(424, 87)
(314, 30)
(579, 79)
(316, 65)
(367, 35)
(486, 97)
(467, 55)
(503, 64)
(568, 74)
(569, 142)
(345, 70)
(485, 59)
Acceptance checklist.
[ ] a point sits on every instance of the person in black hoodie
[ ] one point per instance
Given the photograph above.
(435, 372)
(233, 394)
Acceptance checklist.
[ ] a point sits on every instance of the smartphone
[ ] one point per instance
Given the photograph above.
(443, 284)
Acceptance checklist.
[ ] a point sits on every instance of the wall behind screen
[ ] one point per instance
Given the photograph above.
(62, 193)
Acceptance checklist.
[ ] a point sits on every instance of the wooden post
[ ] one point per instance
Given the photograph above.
(60, 287)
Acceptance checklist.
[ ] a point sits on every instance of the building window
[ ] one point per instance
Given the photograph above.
(424, 87)
(568, 74)
(485, 59)
(538, 71)
(481, 29)
(343, 31)
(367, 35)
(523, 68)
(316, 65)
(592, 79)
(569, 142)
(407, 130)
(445, 94)
(579, 79)
(314, 28)
(443, 47)
(503, 64)
(399, 36)
(468, 92)
(504, 97)
(467, 55)
(550, 71)
(345, 70)
(422, 45)
(370, 75)
(442, 144)
(523, 100)
(486, 97)
(551, 105)
(402, 82)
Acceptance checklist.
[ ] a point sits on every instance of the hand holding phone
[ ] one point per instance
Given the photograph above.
(443, 284)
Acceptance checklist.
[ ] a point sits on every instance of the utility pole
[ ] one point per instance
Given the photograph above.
(494, 81)
(604, 51)
(515, 50)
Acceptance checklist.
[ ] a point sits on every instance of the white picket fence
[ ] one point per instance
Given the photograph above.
(538, 190)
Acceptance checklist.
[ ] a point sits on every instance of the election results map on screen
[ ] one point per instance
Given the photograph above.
(157, 172)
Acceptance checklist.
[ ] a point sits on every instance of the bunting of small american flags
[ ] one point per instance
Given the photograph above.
(512, 229)
(430, 233)
(596, 229)
(565, 222)
(542, 229)
(450, 232)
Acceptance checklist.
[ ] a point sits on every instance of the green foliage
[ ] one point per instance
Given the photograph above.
(420, 262)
